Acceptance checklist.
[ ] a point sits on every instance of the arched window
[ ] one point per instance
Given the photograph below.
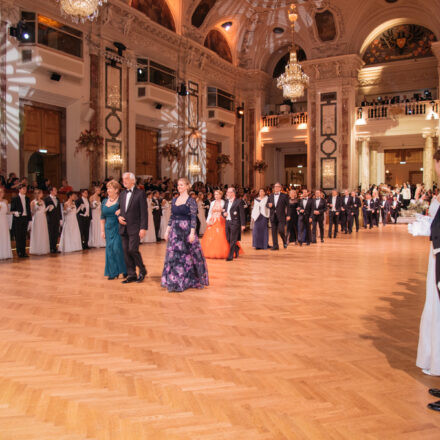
(217, 43)
(400, 43)
(201, 12)
(157, 10)
(282, 63)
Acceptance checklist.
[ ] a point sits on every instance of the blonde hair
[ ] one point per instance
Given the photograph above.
(219, 192)
(115, 185)
(185, 181)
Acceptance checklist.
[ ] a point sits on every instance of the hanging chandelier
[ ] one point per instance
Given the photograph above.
(293, 81)
(81, 10)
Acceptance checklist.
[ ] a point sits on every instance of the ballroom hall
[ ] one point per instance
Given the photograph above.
(215, 219)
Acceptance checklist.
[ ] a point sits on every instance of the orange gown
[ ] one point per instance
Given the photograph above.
(214, 243)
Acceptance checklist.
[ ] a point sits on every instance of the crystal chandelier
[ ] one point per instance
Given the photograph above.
(293, 81)
(81, 10)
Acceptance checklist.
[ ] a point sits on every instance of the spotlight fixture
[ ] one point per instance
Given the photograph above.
(55, 76)
(183, 91)
(226, 26)
(278, 30)
(240, 111)
(120, 46)
(222, 124)
(20, 32)
(158, 106)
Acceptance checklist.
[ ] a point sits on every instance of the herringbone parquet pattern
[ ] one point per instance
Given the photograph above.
(306, 343)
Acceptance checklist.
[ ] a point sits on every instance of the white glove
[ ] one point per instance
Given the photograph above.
(82, 206)
(16, 214)
(51, 208)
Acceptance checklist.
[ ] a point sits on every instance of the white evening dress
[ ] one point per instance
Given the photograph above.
(39, 242)
(95, 237)
(150, 236)
(428, 352)
(5, 237)
(201, 216)
(70, 240)
(166, 213)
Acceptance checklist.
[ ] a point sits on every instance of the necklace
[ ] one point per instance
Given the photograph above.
(111, 200)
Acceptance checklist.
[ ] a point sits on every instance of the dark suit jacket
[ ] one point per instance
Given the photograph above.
(398, 206)
(238, 216)
(322, 207)
(347, 206)
(435, 232)
(307, 210)
(376, 203)
(81, 212)
(355, 204)
(136, 214)
(281, 209)
(338, 203)
(53, 216)
(16, 205)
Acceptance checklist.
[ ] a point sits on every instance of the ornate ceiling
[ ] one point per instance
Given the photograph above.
(325, 27)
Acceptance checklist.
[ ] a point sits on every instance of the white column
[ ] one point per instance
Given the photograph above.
(373, 166)
(365, 163)
(380, 166)
(428, 161)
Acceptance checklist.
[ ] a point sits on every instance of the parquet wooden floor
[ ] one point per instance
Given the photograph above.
(306, 343)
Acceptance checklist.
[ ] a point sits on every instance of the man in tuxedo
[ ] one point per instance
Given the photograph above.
(319, 208)
(84, 217)
(54, 219)
(384, 210)
(304, 218)
(21, 209)
(235, 221)
(354, 212)
(368, 211)
(376, 205)
(133, 224)
(395, 208)
(334, 203)
(278, 204)
(157, 212)
(345, 212)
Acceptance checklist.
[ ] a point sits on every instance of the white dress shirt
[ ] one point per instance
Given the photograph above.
(334, 203)
(128, 197)
(317, 203)
(305, 203)
(54, 200)
(23, 203)
(346, 199)
(276, 198)
(230, 203)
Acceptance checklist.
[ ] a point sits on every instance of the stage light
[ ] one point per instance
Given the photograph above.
(226, 26)
(240, 112)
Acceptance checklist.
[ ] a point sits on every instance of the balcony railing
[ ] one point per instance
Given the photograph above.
(290, 119)
(393, 111)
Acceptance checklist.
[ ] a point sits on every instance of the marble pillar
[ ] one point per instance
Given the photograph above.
(365, 163)
(380, 167)
(428, 161)
(373, 165)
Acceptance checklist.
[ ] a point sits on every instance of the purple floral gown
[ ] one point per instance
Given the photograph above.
(185, 266)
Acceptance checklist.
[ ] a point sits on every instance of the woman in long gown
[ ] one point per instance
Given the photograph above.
(39, 241)
(214, 243)
(166, 214)
(150, 235)
(428, 352)
(201, 213)
(5, 237)
(292, 225)
(114, 254)
(70, 240)
(260, 216)
(95, 238)
(185, 266)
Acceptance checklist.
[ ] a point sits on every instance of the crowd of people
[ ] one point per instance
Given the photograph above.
(295, 215)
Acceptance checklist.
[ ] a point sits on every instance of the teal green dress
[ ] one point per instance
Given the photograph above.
(114, 254)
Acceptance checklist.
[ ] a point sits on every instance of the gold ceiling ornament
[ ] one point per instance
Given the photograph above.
(81, 10)
(293, 81)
